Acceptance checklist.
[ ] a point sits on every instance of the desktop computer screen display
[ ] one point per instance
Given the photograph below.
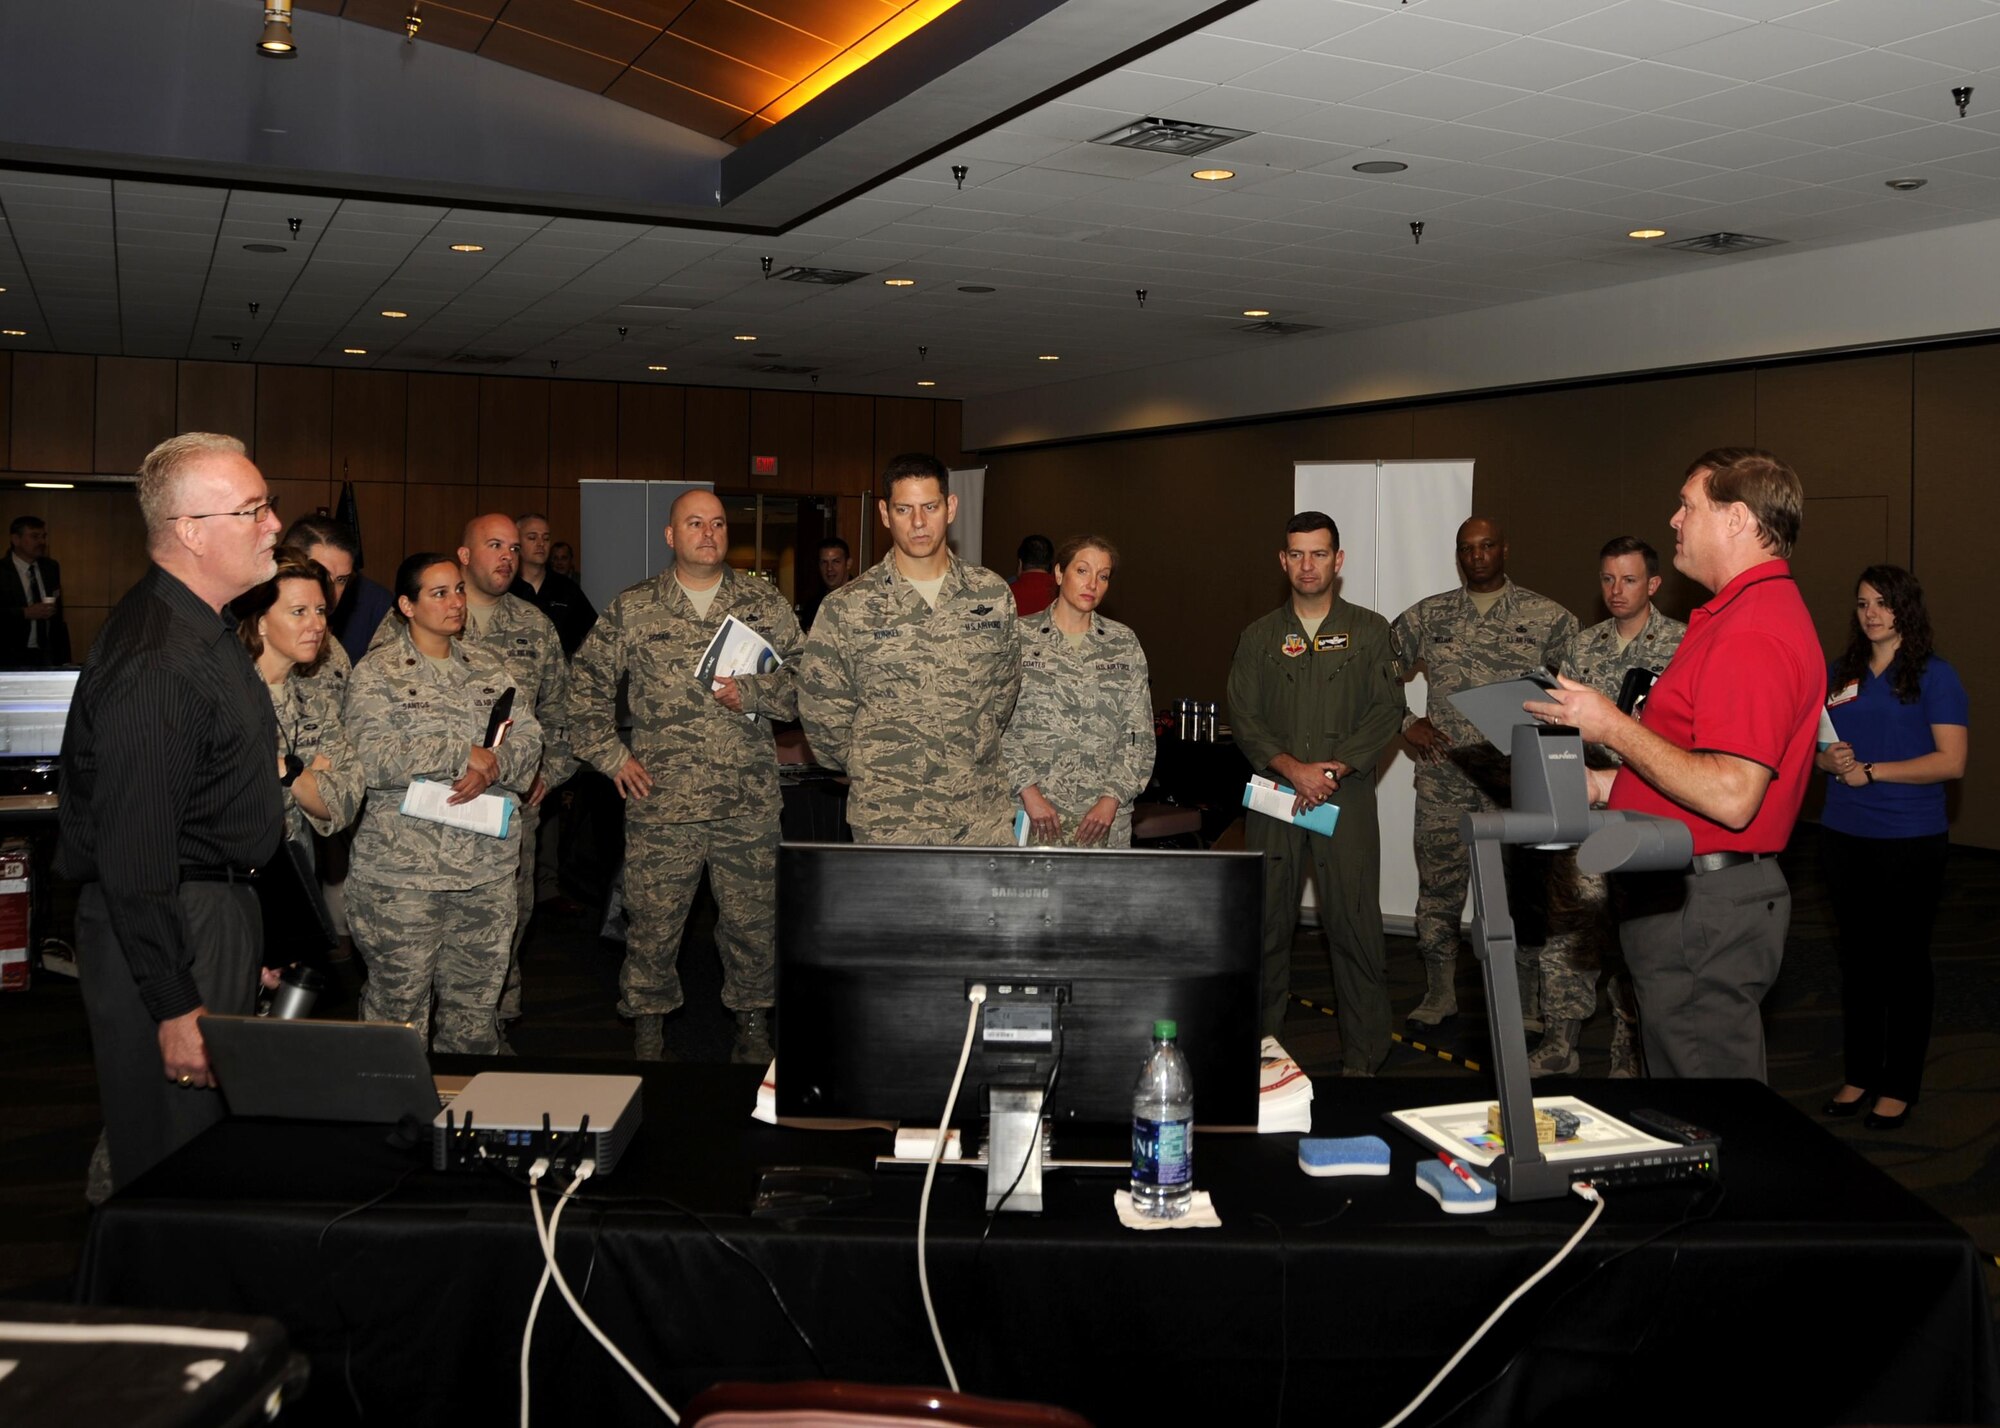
(34, 706)
(1080, 952)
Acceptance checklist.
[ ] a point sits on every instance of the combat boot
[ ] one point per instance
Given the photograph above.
(1440, 995)
(1626, 1061)
(1557, 1055)
(649, 1038)
(752, 1046)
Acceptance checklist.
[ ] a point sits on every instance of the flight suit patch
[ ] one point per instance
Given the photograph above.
(1323, 643)
(1294, 645)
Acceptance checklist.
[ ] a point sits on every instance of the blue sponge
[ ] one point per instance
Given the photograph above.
(1344, 1155)
(1436, 1180)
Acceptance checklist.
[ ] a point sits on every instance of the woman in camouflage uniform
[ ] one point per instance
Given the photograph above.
(432, 906)
(1080, 746)
(283, 624)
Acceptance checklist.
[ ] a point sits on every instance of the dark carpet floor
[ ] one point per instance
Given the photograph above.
(1948, 1153)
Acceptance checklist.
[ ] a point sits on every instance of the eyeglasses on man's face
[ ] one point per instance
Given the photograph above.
(252, 514)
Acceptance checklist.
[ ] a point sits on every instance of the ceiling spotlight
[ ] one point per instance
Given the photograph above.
(355, 351)
(468, 247)
(1048, 357)
(276, 41)
(1256, 312)
(766, 261)
(746, 337)
(1380, 166)
(293, 224)
(412, 22)
(958, 172)
(393, 312)
(656, 367)
(925, 382)
(899, 282)
(1906, 185)
(1213, 175)
(1647, 233)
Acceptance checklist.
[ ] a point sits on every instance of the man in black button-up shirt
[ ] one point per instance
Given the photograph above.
(170, 793)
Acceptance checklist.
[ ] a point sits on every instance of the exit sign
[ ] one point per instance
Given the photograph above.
(763, 466)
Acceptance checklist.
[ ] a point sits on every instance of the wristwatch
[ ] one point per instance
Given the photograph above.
(1869, 769)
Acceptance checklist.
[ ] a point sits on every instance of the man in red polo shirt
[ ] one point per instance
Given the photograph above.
(1726, 747)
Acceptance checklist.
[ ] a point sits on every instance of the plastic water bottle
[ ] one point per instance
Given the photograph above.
(1163, 1130)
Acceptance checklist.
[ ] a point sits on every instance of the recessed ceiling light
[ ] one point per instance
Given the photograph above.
(1380, 166)
(13, 332)
(975, 288)
(1048, 357)
(263, 247)
(1647, 233)
(355, 351)
(899, 282)
(393, 312)
(1213, 175)
(1905, 185)
(50, 485)
(655, 367)
(468, 247)
(746, 337)
(925, 382)
(1256, 312)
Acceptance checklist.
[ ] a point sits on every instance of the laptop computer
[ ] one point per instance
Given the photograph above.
(308, 1070)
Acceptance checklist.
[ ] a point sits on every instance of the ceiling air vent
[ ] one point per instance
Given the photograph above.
(825, 277)
(1273, 328)
(1171, 136)
(782, 369)
(1723, 243)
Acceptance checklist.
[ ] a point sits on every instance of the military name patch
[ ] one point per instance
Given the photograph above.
(1294, 645)
(1323, 643)
(982, 624)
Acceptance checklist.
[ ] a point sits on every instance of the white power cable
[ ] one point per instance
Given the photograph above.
(535, 1174)
(584, 1171)
(976, 996)
(1584, 1190)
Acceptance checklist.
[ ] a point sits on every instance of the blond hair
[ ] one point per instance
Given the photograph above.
(160, 474)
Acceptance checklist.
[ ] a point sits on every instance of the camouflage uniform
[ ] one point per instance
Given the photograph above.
(911, 702)
(1580, 927)
(333, 852)
(309, 724)
(1335, 695)
(1083, 729)
(433, 906)
(1459, 649)
(528, 645)
(715, 780)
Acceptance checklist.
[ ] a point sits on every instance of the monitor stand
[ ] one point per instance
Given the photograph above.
(1017, 1146)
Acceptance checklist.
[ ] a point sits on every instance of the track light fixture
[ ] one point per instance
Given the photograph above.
(959, 171)
(1961, 95)
(1140, 293)
(766, 260)
(1417, 231)
(276, 41)
(412, 22)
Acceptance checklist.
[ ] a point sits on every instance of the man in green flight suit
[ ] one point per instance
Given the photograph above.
(1314, 698)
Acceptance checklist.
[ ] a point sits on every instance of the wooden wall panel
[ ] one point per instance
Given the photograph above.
(949, 427)
(583, 432)
(564, 516)
(7, 401)
(370, 420)
(717, 439)
(434, 516)
(135, 411)
(903, 424)
(220, 397)
(512, 500)
(295, 423)
(1665, 424)
(302, 498)
(513, 431)
(380, 504)
(652, 423)
(1848, 536)
(442, 446)
(54, 422)
(781, 425)
(843, 445)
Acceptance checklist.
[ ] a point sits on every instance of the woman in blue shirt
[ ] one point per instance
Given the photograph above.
(1900, 712)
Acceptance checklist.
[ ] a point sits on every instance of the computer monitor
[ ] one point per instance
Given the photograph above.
(1080, 951)
(34, 706)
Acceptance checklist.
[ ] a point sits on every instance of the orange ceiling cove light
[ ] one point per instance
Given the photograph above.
(884, 37)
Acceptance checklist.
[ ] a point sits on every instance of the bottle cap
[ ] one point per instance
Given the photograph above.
(1165, 1030)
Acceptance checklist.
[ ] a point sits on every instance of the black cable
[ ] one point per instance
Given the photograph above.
(1285, 1290)
(1695, 1213)
(333, 1295)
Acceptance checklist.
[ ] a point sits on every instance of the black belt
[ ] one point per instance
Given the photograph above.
(222, 873)
(1716, 862)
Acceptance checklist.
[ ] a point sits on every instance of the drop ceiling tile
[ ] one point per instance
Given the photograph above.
(1412, 39)
(1547, 116)
(1729, 187)
(1869, 74)
(1532, 64)
(1140, 93)
(1759, 52)
(1351, 126)
(1293, 23)
(1866, 22)
(1073, 122)
(1557, 157)
(1844, 124)
(1435, 96)
(1109, 161)
(1745, 106)
(1323, 78)
(1004, 147)
(1648, 133)
(1643, 29)
(1972, 46)
(1463, 143)
(1740, 150)
(1648, 171)
(1209, 58)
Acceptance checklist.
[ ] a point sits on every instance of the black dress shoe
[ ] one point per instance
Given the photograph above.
(1842, 1109)
(1877, 1121)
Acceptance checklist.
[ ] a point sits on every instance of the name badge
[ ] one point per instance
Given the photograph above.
(1851, 691)
(1323, 643)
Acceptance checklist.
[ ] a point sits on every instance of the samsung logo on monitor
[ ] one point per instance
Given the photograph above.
(1020, 892)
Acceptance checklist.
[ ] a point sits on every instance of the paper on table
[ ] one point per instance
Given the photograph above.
(490, 813)
(1461, 1129)
(736, 649)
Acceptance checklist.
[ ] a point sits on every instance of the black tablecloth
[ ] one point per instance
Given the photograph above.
(1831, 1291)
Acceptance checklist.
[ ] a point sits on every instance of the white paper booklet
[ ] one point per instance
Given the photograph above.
(1284, 1092)
(490, 813)
(736, 649)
